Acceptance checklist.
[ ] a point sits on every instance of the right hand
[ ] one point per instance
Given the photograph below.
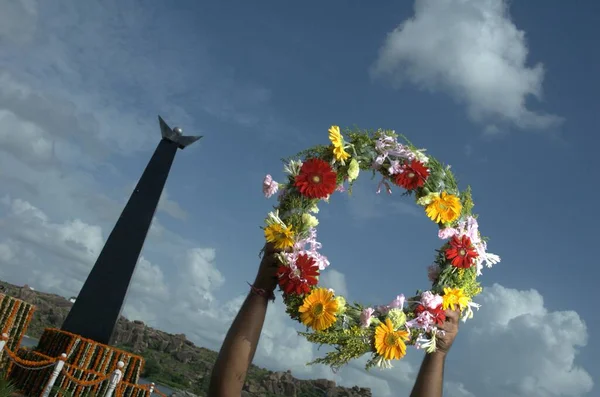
(266, 278)
(444, 342)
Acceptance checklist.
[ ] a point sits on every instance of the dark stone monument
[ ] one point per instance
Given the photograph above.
(98, 306)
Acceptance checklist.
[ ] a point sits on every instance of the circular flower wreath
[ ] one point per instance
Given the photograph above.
(384, 331)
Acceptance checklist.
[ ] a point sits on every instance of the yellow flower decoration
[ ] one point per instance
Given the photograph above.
(319, 309)
(444, 208)
(390, 344)
(335, 136)
(282, 236)
(454, 297)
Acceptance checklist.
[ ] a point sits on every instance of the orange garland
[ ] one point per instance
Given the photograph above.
(145, 388)
(83, 383)
(27, 322)
(86, 364)
(30, 363)
(11, 318)
(91, 342)
(3, 312)
(106, 357)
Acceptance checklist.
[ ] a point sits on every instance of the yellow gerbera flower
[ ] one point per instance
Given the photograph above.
(389, 343)
(282, 236)
(335, 136)
(444, 208)
(319, 309)
(454, 297)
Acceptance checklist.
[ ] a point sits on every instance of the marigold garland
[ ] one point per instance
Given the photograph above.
(316, 174)
(88, 361)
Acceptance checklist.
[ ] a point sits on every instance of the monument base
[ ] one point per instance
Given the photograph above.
(15, 316)
(86, 362)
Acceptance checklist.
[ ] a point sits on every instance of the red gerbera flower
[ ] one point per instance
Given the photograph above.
(316, 179)
(461, 252)
(438, 314)
(412, 176)
(300, 279)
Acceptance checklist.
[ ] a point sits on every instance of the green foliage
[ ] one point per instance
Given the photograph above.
(7, 389)
(292, 303)
(466, 279)
(68, 393)
(467, 202)
(440, 179)
(293, 205)
(151, 368)
(362, 147)
(349, 344)
(322, 152)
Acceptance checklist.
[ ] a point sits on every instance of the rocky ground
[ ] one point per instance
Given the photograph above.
(173, 359)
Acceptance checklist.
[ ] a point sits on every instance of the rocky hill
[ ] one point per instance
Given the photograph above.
(173, 360)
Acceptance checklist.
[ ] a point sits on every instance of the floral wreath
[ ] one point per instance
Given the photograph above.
(352, 329)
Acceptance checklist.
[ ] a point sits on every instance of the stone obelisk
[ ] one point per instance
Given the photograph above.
(95, 312)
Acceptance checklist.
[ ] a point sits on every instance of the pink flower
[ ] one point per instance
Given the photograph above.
(424, 321)
(309, 246)
(397, 303)
(431, 300)
(447, 233)
(433, 272)
(321, 260)
(366, 316)
(386, 184)
(472, 230)
(395, 167)
(270, 187)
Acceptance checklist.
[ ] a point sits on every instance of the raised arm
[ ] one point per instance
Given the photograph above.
(430, 381)
(239, 346)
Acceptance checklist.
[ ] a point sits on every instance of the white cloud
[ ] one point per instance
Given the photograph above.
(25, 139)
(472, 50)
(7, 253)
(148, 280)
(171, 207)
(515, 346)
(331, 278)
(199, 278)
(454, 389)
(17, 21)
(520, 348)
(52, 256)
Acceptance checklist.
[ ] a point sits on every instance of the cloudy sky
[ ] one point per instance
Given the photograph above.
(506, 95)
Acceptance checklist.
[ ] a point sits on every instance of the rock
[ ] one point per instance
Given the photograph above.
(182, 393)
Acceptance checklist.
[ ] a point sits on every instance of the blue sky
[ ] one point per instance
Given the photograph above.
(504, 95)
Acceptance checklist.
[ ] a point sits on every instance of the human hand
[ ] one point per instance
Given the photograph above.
(444, 342)
(266, 278)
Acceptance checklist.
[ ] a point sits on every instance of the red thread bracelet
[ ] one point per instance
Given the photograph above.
(261, 292)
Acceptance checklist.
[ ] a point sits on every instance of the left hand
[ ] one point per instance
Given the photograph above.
(266, 278)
